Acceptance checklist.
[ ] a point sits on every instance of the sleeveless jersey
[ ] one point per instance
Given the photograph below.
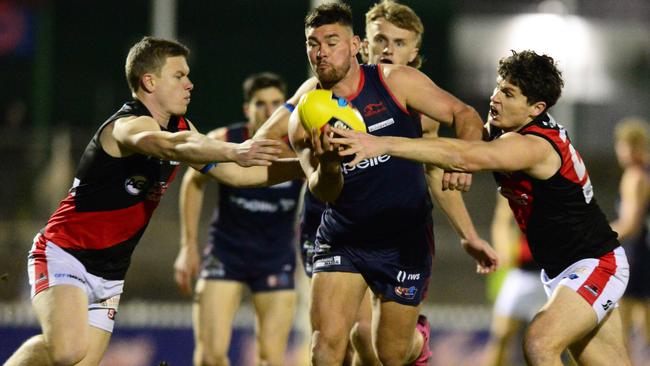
(560, 217)
(111, 201)
(525, 259)
(254, 227)
(383, 199)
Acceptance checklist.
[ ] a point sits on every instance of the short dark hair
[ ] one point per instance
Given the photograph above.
(329, 13)
(262, 80)
(536, 75)
(150, 55)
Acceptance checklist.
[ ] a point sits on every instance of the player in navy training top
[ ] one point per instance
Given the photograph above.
(585, 270)
(394, 259)
(251, 244)
(78, 261)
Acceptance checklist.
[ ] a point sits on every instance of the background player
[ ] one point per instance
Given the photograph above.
(632, 142)
(521, 293)
(251, 244)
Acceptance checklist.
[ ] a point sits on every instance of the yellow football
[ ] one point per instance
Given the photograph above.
(320, 107)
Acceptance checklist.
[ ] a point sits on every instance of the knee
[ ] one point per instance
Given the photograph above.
(271, 357)
(67, 353)
(538, 347)
(361, 338)
(361, 334)
(210, 356)
(328, 347)
(394, 355)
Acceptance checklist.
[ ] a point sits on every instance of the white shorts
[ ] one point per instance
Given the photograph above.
(521, 295)
(48, 265)
(600, 281)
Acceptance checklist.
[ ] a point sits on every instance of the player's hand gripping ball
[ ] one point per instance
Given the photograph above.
(320, 107)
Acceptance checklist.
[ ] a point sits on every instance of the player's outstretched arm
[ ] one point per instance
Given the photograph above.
(143, 135)
(511, 152)
(234, 175)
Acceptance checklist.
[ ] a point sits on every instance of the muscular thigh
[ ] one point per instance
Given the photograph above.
(63, 313)
(335, 299)
(395, 324)
(216, 302)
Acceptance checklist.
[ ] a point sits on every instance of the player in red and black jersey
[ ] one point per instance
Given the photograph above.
(78, 261)
(585, 270)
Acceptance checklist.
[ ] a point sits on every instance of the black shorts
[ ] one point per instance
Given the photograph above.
(257, 280)
(399, 274)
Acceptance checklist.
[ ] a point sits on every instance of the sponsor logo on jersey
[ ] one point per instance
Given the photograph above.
(156, 192)
(402, 275)
(327, 262)
(380, 125)
(607, 305)
(135, 184)
(372, 109)
(365, 163)
(406, 292)
(254, 205)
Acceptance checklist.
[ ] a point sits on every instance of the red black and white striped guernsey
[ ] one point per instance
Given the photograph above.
(559, 215)
(111, 201)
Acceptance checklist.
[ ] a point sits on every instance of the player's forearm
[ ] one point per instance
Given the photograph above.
(190, 204)
(257, 176)
(443, 153)
(468, 124)
(186, 146)
(326, 183)
(452, 204)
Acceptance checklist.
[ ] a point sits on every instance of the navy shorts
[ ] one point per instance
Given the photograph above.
(399, 274)
(258, 281)
(307, 249)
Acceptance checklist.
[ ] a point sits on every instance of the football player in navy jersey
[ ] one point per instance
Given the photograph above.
(78, 262)
(393, 36)
(585, 270)
(371, 235)
(251, 244)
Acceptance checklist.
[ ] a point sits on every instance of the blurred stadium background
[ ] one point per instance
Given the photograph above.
(61, 68)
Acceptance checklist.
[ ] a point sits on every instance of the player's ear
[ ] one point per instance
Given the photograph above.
(356, 45)
(148, 82)
(537, 108)
(413, 55)
(363, 50)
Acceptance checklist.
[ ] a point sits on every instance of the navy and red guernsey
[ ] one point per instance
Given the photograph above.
(384, 199)
(111, 201)
(253, 229)
(559, 215)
